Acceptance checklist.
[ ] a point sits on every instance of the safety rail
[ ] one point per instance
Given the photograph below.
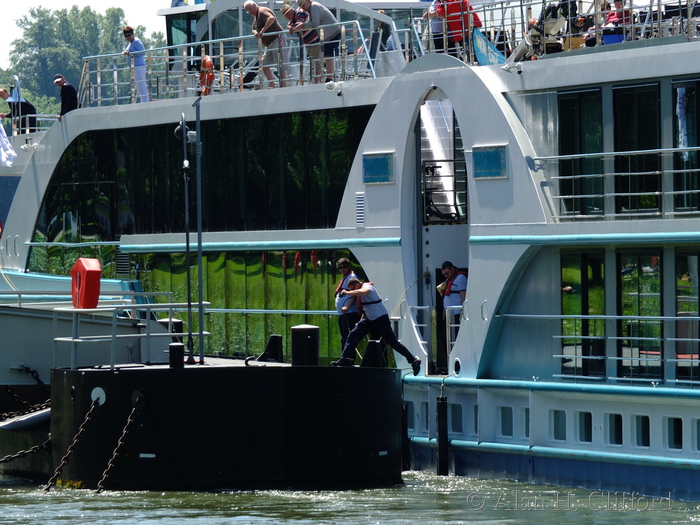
(176, 71)
(283, 313)
(118, 314)
(46, 298)
(640, 350)
(21, 126)
(517, 29)
(666, 191)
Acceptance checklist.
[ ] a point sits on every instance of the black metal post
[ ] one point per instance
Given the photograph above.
(186, 177)
(200, 268)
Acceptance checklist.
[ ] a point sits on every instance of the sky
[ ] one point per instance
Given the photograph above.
(136, 12)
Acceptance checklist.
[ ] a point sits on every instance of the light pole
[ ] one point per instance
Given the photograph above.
(181, 131)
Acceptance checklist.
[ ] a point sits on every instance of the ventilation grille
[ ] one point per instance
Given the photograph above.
(360, 208)
(123, 263)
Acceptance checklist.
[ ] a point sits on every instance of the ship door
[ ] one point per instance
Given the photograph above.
(442, 204)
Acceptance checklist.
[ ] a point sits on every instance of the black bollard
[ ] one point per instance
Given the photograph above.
(443, 460)
(177, 355)
(305, 345)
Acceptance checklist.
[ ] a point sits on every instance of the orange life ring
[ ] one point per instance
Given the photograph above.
(206, 75)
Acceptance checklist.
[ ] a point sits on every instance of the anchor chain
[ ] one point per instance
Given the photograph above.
(23, 453)
(29, 410)
(71, 448)
(120, 443)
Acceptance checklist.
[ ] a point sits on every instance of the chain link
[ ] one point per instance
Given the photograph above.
(120, 443)
(29, 410)
(71, 448)
(23, 453)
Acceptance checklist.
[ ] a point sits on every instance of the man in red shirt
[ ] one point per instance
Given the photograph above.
(458, 14)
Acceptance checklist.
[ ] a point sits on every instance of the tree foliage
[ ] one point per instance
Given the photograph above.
(56, 42)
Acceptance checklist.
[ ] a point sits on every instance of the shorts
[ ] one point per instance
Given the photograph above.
(331, 49)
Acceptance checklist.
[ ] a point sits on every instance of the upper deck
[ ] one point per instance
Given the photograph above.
(372, 44)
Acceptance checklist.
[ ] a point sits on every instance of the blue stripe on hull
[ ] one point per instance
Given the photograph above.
(653, 481)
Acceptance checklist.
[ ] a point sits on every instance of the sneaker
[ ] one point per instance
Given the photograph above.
(345, 361)
(416, 366)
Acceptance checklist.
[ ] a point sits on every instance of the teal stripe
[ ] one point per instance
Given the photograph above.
(564, 453)
(542, 386)
(602, 238)
(243, 246)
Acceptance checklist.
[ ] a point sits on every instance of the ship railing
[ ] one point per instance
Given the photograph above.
(518, 29)
(638, 352)
(587, 186)
(119, 314)
(444, 190)
(20, 126)
(176, 71)
(412, 328)
(453, 319)
(47, 298)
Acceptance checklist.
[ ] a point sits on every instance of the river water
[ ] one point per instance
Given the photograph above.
(422, 498)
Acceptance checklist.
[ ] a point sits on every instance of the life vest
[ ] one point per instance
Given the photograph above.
(449, 283)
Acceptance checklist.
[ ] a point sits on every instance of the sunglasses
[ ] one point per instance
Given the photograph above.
(128, 34)
(342, 266)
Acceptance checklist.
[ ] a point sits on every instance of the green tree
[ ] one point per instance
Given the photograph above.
(57, 41)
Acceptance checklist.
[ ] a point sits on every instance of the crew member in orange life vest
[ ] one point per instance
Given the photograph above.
(455, 290)
(346, 306)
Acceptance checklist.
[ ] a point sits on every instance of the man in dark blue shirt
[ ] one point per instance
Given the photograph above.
(69, 96)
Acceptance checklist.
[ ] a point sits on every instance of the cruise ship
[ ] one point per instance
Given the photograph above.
(555, 158)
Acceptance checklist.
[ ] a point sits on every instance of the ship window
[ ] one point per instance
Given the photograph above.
(410, 415)
(686, 132)
(696, 434)
(637, 127)
(273, 172)
(687, 340)
(506, 421)
(584, 427)
(425, 414)
(614, 428)
(475, 419)
(580, 117)
(456, 418)
(641, 332)
(582, 295)
(526, 422)
(641, 430)
(557, 422)
(674, 432)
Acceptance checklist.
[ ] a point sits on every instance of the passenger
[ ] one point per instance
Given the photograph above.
(137, 49)
(614, 17)
(320, 16)
(69, 96)
(458, 14)
(375, 319)
(309, 37)
(265, 23)
(455, 291)
(21, 109)
(385, 31)
(436, 28)
(346, 306)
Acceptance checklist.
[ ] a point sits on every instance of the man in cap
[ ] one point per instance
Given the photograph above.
(268, 29)
(69, 96)
(319, 16)
(297, 19)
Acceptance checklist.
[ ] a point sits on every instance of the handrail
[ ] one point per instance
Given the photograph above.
(117, 316)
(174, 71)
(284, 312)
